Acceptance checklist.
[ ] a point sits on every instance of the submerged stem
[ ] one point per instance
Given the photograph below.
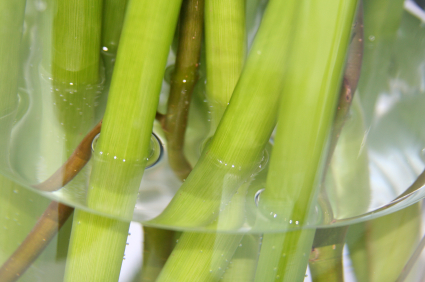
(98, 243)
(43, 232)
(183, 81)
(55, 215)
(73, 164)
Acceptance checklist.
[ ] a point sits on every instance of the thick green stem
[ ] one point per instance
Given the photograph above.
(98, 243)
(326, 255)
(11, 24)
(225, 39)
(236, 150)
(206, 256)
(75, 58)
(183, 80)
(306, 112)
(381, 20)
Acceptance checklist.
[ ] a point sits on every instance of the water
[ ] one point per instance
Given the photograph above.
(37, 138)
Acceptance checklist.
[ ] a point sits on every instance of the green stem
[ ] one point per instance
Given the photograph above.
(112, 22)
(381, 20)
(183, 81)
(11, 22)
(236, 150)
(306, 111)
(157, 246)
(225, 41)
(11, 25)
(206, 256)
(97, 244)
(380, 248)
(75, 65)
(326, 255)
(244, 261)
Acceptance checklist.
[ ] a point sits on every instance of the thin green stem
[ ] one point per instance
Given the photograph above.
(183, 80)
(157, 246)
(225, 43)
(326, 255)
(112, 22)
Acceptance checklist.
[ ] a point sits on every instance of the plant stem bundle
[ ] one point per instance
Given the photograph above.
(275, 82)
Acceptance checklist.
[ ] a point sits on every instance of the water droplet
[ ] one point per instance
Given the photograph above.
(290, 221)
(219, 268)
(274, 215)
(296, 222)
(200, 251)
(275, 268)
(15, 191)
(79, 222)
(372, 38)
(210, 270)
(240, 245)
(115, 157)
(104, 48)
(71, 83)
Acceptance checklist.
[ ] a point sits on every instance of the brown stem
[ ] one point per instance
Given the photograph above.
(37, 240)
(326, 255)
(72, 166)
(158, 242)
(157, 246)
(350, 80)
(183, 81)
(161, 118)
(55, 215)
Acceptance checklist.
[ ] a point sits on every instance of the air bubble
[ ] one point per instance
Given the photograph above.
(155, 154)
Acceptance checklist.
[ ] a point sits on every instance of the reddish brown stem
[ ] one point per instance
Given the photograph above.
(72, 166)
(37, 240)
(183, 81)
(55, 215)
(350, 80)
